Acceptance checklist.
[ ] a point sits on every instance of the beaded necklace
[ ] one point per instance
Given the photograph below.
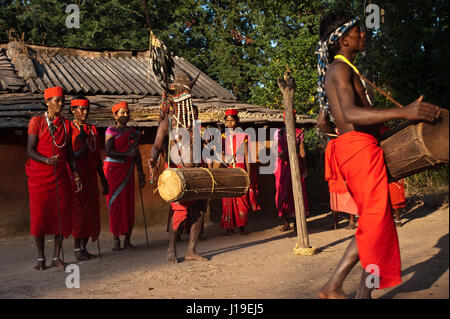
(91, 147)
(50, 129)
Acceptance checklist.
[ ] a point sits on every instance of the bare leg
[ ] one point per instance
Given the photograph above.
(40, 244)
(116, 246)
(397, 218)
(363, 291)
(79, 255)
(333, 288)
(196, 227)
(127, 241)
(286, 225)
(84, 242)
(57, 261)
(335, 218)
(351, 224)
(172, 250)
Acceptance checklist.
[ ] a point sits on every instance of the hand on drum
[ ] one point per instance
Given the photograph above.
(421, 111)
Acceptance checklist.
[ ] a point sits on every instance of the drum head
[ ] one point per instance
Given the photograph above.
(435, 136)
(170, 185)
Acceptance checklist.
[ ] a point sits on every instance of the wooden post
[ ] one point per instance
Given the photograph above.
(287, 87)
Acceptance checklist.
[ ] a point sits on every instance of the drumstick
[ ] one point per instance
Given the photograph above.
(382, 92)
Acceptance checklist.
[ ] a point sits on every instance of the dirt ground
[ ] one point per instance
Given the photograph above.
(260, 265)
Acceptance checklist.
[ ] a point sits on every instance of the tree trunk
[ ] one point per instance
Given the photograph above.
(287, 87)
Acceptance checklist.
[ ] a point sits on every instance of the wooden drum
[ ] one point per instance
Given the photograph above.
(184, 184)
(414, 147)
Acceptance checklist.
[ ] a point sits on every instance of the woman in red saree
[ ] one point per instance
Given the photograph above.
(284, 198)
(235, 209)
(86, 209)
(49, 149)
(121, 146)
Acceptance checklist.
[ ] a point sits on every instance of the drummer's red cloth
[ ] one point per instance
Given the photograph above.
(49, 188)
(86, 208)
(397, 194)
(354, 161)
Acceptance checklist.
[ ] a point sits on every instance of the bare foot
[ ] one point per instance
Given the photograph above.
(350, 226)
(127, 244)
(88, 254)
(285, 227)
(326, 293)
(116, 246)
(172, 257)
(80, 255)
(195, 256)
(40, 264)
(58, 263)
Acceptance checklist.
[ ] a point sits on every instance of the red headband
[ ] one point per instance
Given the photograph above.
(81, 102)
(52, 92)
(233, 112)
(118, 106)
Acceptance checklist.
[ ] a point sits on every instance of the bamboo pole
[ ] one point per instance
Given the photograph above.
(287, 87)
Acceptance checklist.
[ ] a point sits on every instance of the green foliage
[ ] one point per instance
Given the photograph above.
(246, 46)
(433, 180)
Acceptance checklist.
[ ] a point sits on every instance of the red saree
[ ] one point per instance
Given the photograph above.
(49, 188)
(86, 209)
(284, 198)
(120, 177)
(235, 209)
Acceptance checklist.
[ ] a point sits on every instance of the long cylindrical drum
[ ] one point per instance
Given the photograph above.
(183, 184)
(414, 147)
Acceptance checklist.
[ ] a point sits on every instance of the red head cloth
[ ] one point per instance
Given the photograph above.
(80, 102)
(284, 114)
(52, 92)
(232, 112)
(118, 106)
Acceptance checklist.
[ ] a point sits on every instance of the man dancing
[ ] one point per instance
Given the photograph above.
(354, 160)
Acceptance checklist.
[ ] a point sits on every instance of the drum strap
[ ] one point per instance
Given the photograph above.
(364, 80)
(344, 59)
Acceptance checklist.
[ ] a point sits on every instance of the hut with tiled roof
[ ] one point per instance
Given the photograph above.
(105, 78)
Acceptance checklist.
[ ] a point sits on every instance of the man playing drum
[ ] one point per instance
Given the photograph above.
(354, 160)
(178, 114)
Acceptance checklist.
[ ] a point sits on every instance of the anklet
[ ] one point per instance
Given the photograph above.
(40, 259)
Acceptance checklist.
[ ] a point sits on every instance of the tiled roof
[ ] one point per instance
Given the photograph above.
(81, 72)
(9, 80)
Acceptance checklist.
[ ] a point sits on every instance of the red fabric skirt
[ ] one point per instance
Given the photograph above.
(355, 163)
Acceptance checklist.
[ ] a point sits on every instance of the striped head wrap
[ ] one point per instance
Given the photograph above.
(322, 65)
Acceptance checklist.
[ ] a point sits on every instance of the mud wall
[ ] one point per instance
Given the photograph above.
(14, 200)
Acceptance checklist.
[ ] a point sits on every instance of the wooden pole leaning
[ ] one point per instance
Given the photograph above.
(287, 87)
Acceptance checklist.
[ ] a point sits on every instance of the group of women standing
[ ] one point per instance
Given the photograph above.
(64, 161)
